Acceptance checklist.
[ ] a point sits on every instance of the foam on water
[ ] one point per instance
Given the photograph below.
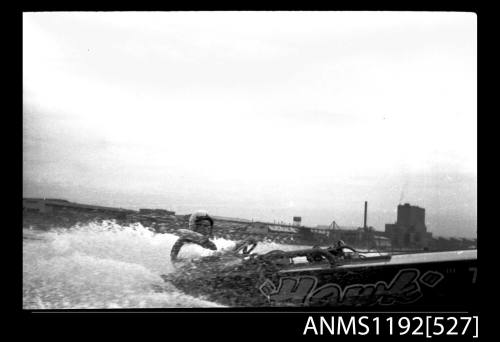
(105, 265)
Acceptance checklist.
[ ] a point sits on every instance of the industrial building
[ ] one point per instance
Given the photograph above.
(410, 230)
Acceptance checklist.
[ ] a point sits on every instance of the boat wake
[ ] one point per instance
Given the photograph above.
(106, 265)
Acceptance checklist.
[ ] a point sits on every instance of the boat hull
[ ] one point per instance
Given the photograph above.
(425, 281)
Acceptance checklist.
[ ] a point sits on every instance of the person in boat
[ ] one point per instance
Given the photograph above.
(315, 257)
(200, 230)
(337, 250)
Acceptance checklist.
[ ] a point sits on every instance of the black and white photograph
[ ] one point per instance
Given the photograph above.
(250, 159)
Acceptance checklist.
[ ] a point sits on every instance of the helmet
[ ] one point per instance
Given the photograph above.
(198, 216)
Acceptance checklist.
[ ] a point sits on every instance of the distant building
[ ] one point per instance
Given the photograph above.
(362, 237)
(352, 236)
(229, 219)
(326, 231)
(257, 228)
(410, 230)
(382, 242)
(282, 229)
(297, 220)
(442, 243)
(323, 226)
(316, 235)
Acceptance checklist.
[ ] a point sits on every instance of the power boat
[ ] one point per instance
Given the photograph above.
(339, 277)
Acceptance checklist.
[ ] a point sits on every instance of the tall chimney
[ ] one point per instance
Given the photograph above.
(366, 213)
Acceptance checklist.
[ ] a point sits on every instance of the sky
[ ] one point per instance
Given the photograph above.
(257, 115)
